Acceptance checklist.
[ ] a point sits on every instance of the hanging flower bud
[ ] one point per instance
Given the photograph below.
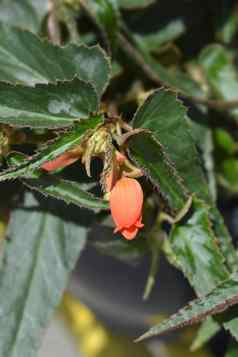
(126, 201)
(60, 162)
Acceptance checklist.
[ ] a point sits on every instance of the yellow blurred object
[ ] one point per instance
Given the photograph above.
(2, 230)
(93, 339)
(3, 224)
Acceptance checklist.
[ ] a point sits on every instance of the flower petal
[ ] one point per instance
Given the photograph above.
(129, 233)
(63, 160)
(139, 224)
(126, 201)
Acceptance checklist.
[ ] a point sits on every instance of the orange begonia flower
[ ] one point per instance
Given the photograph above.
(126, 201)
(61, 161)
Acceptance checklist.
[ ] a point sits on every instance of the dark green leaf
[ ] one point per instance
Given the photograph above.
(26, 14)
(25, 58)
(149, 156)
(215, 302)
(220, 72)
(166, 118)
(47, 105)
(53, 186)
(63, 143)
(68, 191)
(196, 250)
(40, 252)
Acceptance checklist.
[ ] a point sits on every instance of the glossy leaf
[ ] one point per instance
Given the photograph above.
(47, 105)
(196, 250)
(220, 72)
(166, 118)
(39, 254)
(63, 143)
(215, 302)
(26, 59)
(26, 14)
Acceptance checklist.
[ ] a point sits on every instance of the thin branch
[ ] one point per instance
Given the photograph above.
(215, 104)
(133, 53)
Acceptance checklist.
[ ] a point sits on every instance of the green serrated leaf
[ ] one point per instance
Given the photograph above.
(132, 4)
(68, 191)
(53, 186)
(39, 254)
(217, 301)
(63, 143)
(220, 72)
(197, 252)
(149, 156)
(47, 105)
(166, 118)
(207, 330)
(26, 59)
(26, 14)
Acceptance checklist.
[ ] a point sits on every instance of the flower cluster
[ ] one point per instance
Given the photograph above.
(124, 193)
